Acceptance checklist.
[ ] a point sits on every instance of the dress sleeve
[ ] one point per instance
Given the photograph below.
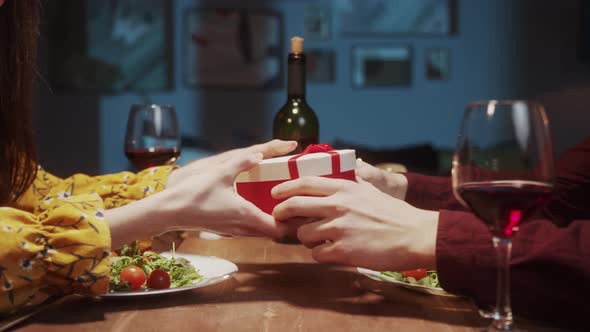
(114, 189)
(550, 265)
(431, 192)
(64, 249)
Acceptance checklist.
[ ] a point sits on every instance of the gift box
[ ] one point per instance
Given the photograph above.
(317, 160)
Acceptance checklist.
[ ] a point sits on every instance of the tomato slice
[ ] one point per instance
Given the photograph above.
(134, 275)
(416, 274)
(158, 279)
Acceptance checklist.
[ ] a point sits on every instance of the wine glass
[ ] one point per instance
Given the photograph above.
(152, 137)
(503, 171)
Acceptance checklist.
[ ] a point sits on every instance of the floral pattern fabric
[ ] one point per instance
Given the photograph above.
(55, 239)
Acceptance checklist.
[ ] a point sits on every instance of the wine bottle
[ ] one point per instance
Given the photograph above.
(296, 120)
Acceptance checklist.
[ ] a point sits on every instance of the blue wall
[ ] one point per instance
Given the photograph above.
(483, 66)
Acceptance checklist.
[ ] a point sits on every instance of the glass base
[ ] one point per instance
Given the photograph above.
(488, 313)
(498, 323)
(506, 324)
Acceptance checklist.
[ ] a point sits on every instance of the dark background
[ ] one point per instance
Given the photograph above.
(502, 49)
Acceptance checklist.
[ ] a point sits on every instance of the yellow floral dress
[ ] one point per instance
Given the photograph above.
(56, 238)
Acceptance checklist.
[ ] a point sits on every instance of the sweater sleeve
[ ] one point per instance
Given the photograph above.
(431, 192)
(550, 266)
(570, 199)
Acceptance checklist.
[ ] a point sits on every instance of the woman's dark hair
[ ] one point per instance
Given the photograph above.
(19, 30)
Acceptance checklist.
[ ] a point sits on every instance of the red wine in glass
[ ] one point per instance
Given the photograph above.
(152, 137)
(502, 205)
(503, 171)
(146, 158)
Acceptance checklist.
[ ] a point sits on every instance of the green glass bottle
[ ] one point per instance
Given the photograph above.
(296, 120)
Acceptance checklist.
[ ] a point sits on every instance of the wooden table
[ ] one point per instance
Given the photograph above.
(279, 288)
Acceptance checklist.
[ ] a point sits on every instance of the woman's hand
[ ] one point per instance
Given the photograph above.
(201, 195)
(208, 200)
(204, 195)
(358, 225)
(393, 184)
(269, 149)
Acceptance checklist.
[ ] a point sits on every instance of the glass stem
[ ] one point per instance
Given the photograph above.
(503, 316)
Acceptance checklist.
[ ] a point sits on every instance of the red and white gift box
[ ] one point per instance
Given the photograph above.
(317, 160)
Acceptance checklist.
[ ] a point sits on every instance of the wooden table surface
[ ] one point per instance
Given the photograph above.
(279, 287)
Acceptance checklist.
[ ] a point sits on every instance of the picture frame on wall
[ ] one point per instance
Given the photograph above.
(112, 47)
(381, 66)
(437, 63)
(396, 17)
(317, 22)
(320, 65)
(228, 48)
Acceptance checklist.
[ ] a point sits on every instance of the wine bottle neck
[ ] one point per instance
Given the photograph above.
(296, 76)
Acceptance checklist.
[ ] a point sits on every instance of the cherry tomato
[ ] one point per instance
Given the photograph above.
(134, 275)
(416, 274)
(158, 279)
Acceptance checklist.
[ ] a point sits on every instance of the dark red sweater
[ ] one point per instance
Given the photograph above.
(550, 266)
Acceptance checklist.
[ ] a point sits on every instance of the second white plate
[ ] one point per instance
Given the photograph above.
(375, 275)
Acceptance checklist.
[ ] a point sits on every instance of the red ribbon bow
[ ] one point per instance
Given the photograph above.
(315, 148)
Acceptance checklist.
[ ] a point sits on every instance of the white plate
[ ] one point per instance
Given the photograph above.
(419, 288)
(213, 269)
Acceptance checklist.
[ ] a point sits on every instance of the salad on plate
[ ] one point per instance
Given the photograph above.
(420, 280)
(422, 277)
(134, 270)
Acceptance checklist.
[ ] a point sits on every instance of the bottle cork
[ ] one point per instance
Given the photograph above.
(296, 45)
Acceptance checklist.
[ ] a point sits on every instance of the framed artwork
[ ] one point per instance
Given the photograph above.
(437, 63)
(317, 22)
(113, 46)
(232, 48)
(401, 17)
(374, 66)
(320, 65)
